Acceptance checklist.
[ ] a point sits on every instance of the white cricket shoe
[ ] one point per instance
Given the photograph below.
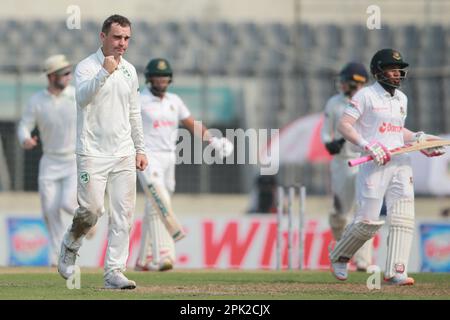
(340, 270)
(400, 279)
(165, 264)
(117, 280)
(66, 261)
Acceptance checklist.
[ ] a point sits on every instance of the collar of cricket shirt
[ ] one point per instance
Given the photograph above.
(383, 93)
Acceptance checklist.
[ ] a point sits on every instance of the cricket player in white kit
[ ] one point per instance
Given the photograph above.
(162, 112)
(110, 146)
(375, 121)
(351, 78)
(53, 111)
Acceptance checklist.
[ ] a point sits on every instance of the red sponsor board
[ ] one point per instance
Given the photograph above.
(244, 243)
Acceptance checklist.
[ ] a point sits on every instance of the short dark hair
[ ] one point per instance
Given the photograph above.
(121, 20)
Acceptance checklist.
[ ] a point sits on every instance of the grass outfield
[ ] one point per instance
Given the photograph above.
(45, 283)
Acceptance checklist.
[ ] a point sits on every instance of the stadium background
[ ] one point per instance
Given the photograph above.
(237, 64)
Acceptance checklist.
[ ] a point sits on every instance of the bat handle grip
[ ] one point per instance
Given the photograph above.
(359, 161)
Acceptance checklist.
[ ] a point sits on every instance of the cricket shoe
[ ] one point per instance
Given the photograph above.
(66, 261)
(400, 279)
(117, 280)
(165, 265)
(340, 270)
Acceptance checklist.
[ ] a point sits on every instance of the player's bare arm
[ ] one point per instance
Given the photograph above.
(196, 127)
(346, 128)
(221, 145)
(408, 135)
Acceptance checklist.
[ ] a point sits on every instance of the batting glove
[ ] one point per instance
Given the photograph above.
(433, 152)
(222, 146)
(430, 152)
(379, 153)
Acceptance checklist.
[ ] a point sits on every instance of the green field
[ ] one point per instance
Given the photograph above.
(45, 283)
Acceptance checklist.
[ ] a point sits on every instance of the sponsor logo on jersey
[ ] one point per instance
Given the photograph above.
(163, 123)
(380, 109)
(389, 127)
(402, 111)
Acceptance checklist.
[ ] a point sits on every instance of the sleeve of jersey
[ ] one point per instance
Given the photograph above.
(183, 111)
(405, 104)
(355, 108)
(326, 131)
(137, 133)
(27, 123)
(88, 83)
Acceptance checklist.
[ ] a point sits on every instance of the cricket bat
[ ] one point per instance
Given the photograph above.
(164, 209)
(414, 146)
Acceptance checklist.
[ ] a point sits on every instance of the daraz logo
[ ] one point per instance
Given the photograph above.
(389, 127)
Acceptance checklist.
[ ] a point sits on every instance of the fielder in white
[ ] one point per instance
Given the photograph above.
(110, 146)
(53, 111)
(375, 121)
(162, 112)
(351, 78)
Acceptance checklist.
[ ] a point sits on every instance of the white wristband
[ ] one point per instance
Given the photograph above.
(419, 136)
(362, 142)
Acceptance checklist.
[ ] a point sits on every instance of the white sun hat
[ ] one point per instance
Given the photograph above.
(55, 63)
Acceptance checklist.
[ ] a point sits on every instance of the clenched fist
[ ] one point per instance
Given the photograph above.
(110, 64)
(30, 143)
(141, 161)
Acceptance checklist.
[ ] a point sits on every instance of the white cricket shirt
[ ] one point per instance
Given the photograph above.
(160, 118)
(334, 110)
(109, 120)
(380, 116)
(55, 117)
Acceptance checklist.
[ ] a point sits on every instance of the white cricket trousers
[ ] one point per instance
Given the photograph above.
(394, 181)
(118, 177)
(57, 183)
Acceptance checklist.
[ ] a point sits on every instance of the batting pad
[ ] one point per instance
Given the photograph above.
(160, 239)
(401, 231)
(354, 237)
